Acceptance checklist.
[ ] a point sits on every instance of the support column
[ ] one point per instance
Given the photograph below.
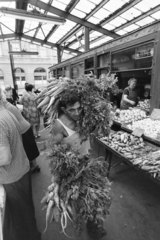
(95, 64)
(59, 54)
(86, 38)
(155, 78)
(12, 66)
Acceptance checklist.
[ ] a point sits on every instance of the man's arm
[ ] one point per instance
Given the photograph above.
(56, 131)
(5, 152)
(5, 156)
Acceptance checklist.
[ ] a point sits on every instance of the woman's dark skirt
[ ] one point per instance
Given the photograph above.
(30, 145)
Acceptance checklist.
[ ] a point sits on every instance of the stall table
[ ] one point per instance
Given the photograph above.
(109, 152)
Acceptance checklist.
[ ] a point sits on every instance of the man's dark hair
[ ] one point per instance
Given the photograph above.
(68, 99)
(29, 87)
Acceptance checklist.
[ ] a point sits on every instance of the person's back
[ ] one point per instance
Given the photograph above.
(10, 137)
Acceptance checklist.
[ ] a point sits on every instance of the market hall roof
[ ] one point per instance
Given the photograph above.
(105, 19)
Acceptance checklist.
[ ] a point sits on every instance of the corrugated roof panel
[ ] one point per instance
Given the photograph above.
(117, 21)
(78, 13)
(9, 22)
(142, 6)
(59, 5)
(85, 6)
(45, 1)
(121, 32)
(46, 29)
(6, 30)
(29, 25)
(80, 32)
(109, 26)
(152, 3)
(94, 20)
(130, 28)
(145, 21)
(75, 45)
(54, 38)
(31, 33)
(97, 1)
(40, 35)
(70, 23)
(94, 35)
(99, 42)
(101, 14)
(113, 5)
(131, 13)
(65, 1)
(156, 15)
(7, 4)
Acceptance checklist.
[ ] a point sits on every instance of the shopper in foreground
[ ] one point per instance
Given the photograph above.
(19, 219)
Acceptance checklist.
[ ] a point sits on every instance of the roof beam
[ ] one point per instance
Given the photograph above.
(11, 35)
(146, 14)
(119, 11)
(112, 16)
(40, 24)
(71, 5)
(20, 23)
(49, 44)
(72, 18)
(77, 28)
(68, 9)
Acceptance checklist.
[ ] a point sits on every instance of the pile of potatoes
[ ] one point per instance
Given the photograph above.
(125, 143)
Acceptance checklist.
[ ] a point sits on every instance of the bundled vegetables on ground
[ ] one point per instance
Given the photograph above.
(129, 115)
(151, 127)
(130, 146)
(144, 105)
(79, 189)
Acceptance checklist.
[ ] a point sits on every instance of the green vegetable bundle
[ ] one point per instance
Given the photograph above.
(79, 189)
(96, 117)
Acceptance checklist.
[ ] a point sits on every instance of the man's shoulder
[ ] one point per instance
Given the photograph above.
(57, 126)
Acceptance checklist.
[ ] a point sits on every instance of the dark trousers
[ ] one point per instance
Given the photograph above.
(19, 219)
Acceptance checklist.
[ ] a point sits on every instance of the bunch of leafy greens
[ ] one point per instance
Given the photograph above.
(96, 117)
(83, 185)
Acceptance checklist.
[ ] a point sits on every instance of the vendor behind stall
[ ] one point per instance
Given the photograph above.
(129, 97)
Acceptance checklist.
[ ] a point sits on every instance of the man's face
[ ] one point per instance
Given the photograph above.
(74, 111)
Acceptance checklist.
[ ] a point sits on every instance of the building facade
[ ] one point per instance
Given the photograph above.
(27, 68)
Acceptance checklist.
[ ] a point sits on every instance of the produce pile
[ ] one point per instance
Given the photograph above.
(149, 162)
(79, 189)
(131, 147)
(96, 111)
(144, 105)
(151, 127)
(129, 115)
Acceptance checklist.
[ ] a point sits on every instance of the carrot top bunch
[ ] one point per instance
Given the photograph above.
(79, 189)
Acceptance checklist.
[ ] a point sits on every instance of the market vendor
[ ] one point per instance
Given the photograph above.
(129, 96)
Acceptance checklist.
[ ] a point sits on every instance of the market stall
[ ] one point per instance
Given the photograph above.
(138, 153)
(135, 140)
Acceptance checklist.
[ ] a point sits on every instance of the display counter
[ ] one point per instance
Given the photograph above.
(137, 152)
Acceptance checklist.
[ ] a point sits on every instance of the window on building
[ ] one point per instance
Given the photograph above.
(20, 78)
(1, 78)
(40, 76)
